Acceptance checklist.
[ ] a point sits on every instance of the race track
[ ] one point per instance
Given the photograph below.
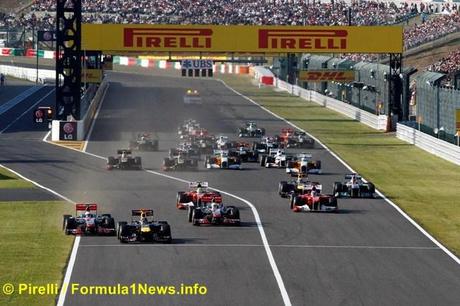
(367, 254)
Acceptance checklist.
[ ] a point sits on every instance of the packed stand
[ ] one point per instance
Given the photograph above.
(258, 12)
(448, 65)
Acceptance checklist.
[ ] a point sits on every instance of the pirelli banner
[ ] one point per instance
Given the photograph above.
(326, 75)
(241, 39)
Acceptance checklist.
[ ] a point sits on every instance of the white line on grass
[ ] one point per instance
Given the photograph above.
(398, 209)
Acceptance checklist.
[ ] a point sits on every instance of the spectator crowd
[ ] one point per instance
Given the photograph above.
(258, 12)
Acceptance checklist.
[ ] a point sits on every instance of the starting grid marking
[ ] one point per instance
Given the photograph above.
(261, 246)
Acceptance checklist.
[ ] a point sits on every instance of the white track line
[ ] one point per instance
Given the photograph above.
(76, 242)
(229, 245)
(95, 118)
(406, 216)
(28, 110)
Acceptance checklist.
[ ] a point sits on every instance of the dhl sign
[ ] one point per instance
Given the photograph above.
(241, 39)
(326, 75)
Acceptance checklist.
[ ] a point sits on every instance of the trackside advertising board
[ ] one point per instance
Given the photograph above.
(241, 39)
(326, 75)
(457, 121)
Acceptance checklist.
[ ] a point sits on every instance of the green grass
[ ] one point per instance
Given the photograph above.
(9, 180)
(33, 248)
(424, 186)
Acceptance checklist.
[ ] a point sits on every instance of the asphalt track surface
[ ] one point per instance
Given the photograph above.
(367, 254)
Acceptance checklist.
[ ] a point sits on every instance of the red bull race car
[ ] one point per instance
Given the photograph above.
(143, 228)
(87, 222)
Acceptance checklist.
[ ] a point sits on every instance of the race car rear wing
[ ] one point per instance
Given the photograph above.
(85, 207)
(126, 151)
(139, 212)
(194, 185)
(304, 155)
(350, 176)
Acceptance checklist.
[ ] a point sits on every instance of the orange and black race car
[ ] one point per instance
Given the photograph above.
(222, 160)
(197, 194)
(303, 164)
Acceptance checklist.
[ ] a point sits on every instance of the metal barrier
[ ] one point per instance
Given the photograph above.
(429, 143)
(374, 121)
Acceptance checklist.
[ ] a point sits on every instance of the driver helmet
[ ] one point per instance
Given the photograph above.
(87, 214)
(313, 191)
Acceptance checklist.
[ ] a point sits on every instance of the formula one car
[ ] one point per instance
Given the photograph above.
(88, 222)
(144, 229)
(295, 139)
(197, 194)
(214, 214)
(354, 187)
(180, 162)
(222, 160)
(313, 201)
(297, 187)
(303, 164)
(192, 97)
(251, 130)
(188, 126)
(124, 161)
(244, 152)
(267, 143)
(187, 149)
(276, 158)
(143, 142)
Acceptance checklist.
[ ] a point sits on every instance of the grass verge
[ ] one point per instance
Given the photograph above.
(424, 186)
(33, 249)
(9, 180)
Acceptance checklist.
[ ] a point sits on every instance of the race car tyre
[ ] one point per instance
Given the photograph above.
(371, 189)
(182, 197)
(69, 224)
(337, 189)
(155, 145)
(196, 216)
(318, 164)
(298, 201)
(262, 132)
(282, 188)
(190, 214)
(262, 159)
(138, 162)
(110, 222)
(120, 226)
(233, 212)
(111, 161)
(354, 192)
(64, 220)
(291, 201)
